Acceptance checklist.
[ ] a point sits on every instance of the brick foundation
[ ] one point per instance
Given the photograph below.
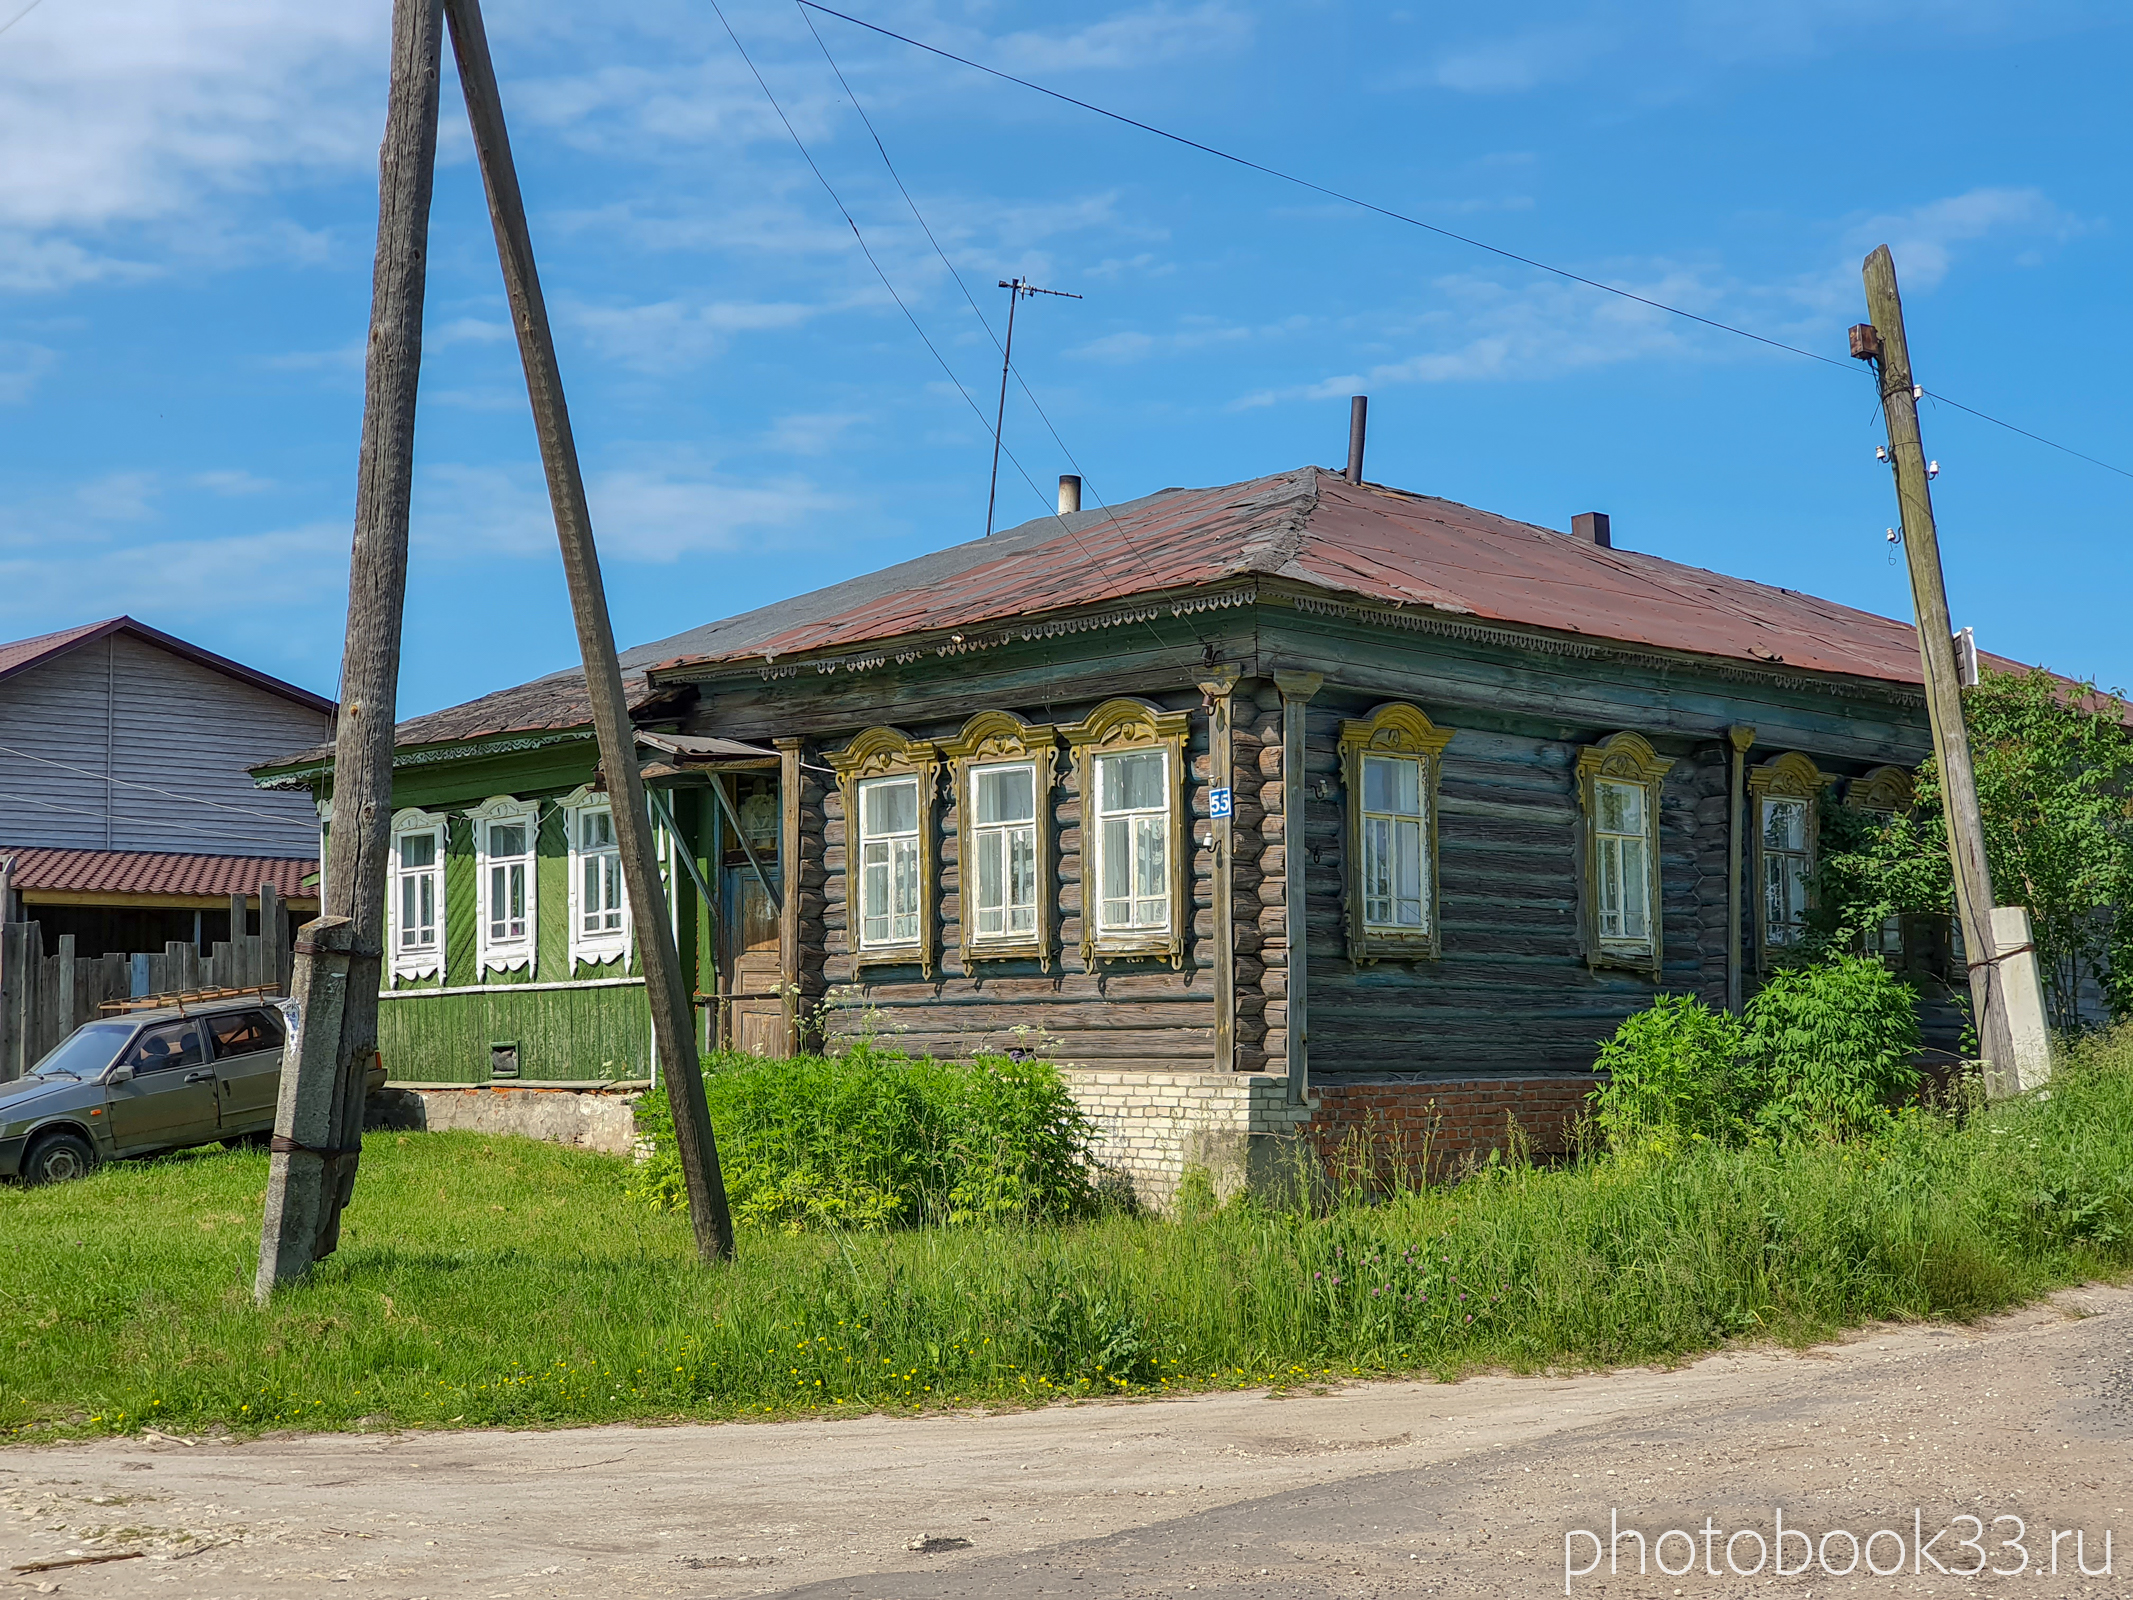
(1238, 1126)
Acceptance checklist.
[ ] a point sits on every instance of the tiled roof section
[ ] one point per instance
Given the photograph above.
(547, 705)
(129, 872)
(22, 654)
(1374, 545)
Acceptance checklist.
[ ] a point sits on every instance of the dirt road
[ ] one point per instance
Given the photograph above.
(1383, 1489)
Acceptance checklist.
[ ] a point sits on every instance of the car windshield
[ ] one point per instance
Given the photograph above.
(86, 1051)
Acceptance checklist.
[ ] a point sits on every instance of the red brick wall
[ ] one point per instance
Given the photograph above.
(1380, 1127)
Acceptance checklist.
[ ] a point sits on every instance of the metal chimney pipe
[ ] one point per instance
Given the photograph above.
(1358, 417)
(1069, 492)
(1593, 527)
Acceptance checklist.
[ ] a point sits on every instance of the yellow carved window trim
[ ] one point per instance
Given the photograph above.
(1885, 789)
(1399, 732)
(996, 739)
(1622, 758)
(1124, 727)
(889, 753)
(1791, 777)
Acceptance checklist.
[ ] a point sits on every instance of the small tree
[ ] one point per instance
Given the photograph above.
(1830, 1047)
(1673, 1077)
(2055, 789)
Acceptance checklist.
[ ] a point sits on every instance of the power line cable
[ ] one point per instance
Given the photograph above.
(127, 783)
(1319, 188)
(853, 224)
(18, 16)
(1417, 222)
(976, 310)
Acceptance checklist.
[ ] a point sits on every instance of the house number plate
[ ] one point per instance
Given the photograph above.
(1218, 802)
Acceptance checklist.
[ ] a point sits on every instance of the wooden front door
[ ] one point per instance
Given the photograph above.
(756, 1018)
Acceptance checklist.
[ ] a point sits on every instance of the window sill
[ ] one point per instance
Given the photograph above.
(1387, 944)
(1018, 949)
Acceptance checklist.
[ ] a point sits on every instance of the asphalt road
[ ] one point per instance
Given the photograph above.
(1383, 1489)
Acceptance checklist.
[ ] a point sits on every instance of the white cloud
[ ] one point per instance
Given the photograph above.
(231, 481)
(811, 433)
(21, 365)
(178, 580)
(1521, 61)
(1134, 39)
(671, 334)
(137, 111)
(652, 514)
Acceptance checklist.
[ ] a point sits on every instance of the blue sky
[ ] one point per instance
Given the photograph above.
(188, 201)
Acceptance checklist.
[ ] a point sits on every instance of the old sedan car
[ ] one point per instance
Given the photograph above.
(148, 1082)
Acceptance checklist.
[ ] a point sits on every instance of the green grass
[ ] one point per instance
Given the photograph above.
(499, 1282)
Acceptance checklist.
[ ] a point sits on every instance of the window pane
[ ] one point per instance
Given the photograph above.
(1636, 911)
(596, 830)
(991, 897)
(889, 805)
(410, 929)
(507, 838)
(1116, 857)
(874, 894)
(418, 849)
(1620, 807)
(1022, 880)
(1785, 824)
(426, 907)
(1151, 887)
(1392, 784)
(1131, 782)
(904, 909)
(1407, 872)
(1006, 794)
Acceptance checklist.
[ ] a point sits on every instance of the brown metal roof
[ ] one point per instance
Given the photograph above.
(120, 873)
(1370, 544)
(22, 654)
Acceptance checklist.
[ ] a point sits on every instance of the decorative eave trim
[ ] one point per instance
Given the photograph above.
(1422, 620)
(423, 755)
(971, 641)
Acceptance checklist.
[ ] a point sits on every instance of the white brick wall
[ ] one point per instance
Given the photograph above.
(1152, 1126)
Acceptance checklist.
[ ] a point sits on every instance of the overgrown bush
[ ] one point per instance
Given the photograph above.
(1674, 1078)
(1824, 1052)
(875, 1139)
(1830, 1047)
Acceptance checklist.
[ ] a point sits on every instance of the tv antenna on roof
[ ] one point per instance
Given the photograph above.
(1016, 290)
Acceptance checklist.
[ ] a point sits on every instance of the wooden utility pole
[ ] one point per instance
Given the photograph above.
(318, 1125)
(673, 1020)
(1883, 344)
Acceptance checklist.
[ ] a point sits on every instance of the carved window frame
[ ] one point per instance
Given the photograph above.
(422, 961)
(1623, 758)
(507, 955)
(1791, 776)
(889, 753)
(1404, 731)
(591, 949)
(1919, 941)
(1002, 739)
(1120, 727)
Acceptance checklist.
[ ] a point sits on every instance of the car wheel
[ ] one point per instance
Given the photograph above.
(58, 1157)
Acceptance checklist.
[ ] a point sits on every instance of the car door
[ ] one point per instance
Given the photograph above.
(247, 1047)
(171, 1099)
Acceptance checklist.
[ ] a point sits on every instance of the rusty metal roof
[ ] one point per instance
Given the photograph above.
(1365, 543)
(121, 873)
(22, 654)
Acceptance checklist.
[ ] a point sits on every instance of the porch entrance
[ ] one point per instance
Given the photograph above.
(755, 1016)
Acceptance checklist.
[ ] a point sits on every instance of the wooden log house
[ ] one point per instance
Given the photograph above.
(1198, 794)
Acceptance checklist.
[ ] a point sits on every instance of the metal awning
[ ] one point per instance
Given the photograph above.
(677, 754)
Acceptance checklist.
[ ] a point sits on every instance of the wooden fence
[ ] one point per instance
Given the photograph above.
(44, 997)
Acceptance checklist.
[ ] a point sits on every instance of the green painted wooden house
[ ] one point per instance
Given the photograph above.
(1298, 775)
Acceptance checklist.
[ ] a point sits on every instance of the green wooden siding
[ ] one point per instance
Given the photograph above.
(551, 849)
(459, 902)
(573, 1033)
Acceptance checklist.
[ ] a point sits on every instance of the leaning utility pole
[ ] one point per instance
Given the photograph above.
(1016, 290)
(673, 1016)
(318, 1125)
(1883, 344)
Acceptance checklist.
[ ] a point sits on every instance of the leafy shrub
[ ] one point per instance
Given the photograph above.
(1674, 1077)
(1830, 1047)
(874, 1139)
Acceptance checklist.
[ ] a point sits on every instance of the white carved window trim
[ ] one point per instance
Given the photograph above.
(1157, 819)
(492, 954)
(421, 960)
(605, 944)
